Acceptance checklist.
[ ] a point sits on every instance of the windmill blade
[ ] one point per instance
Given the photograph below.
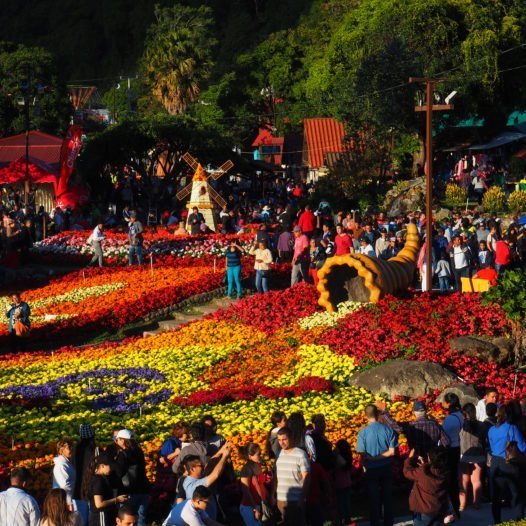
(223, 169)
(188, 159)
(216, 197)
(184, 192)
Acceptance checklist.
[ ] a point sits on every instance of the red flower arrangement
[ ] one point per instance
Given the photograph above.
(248, 393)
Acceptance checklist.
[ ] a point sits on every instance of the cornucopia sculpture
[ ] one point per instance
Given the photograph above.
(356, 277)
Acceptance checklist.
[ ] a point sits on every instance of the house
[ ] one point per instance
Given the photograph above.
(322, 141)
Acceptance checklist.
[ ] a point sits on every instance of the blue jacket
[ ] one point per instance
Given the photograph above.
(25, 312)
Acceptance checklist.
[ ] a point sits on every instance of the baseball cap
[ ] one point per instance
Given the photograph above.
(297, 229)
(392, 239)
(124, 433)
(419, 406)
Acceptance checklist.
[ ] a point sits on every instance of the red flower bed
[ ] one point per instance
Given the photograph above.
(420, 328)
(251, 392)
(268, 312)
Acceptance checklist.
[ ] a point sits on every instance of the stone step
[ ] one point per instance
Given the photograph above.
(186, 318)
(152, 332)
(207, 309)
(167, 325)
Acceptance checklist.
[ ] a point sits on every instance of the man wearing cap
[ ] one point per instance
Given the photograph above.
(300, 259)
(382, 243)
(17, 507)
(135, 239)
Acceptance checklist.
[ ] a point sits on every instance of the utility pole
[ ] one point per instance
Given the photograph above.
(429, 108)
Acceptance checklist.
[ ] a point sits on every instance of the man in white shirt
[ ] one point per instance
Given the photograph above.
(96, 239)
(17, 507)
(491, 397)
(192, 512)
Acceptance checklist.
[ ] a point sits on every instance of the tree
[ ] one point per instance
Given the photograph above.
(141, 144)
(510, 294)
(49, 105)
(178, 55)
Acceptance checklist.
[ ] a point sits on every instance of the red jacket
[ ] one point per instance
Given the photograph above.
(502, 253)
(307, 221)
(429, 494)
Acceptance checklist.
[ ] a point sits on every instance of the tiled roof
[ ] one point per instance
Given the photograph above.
(44, 147)
(322, 136)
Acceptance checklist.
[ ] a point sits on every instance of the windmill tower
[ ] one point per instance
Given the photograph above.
(202, 195)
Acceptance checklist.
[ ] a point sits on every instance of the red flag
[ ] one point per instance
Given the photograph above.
(68, 153)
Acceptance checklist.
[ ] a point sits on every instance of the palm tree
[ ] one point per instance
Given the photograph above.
(178, 55)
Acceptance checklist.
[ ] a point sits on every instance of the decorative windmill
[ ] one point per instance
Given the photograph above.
(201, 193)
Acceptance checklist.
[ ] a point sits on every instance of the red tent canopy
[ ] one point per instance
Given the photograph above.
(44, 147)
(39, 172)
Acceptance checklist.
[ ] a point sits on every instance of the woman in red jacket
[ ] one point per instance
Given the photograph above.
(429, 499)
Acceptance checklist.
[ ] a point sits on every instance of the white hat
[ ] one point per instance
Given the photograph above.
(124, 433)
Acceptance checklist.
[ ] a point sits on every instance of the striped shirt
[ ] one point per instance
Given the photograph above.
(289, 468)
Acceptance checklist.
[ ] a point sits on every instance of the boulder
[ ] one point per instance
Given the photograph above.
(476, 348)
(465, 392)
(505, 346)
(406, 196)
(404, 378)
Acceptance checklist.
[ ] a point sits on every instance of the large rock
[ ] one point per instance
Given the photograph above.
(482, 349)
(404, 378)
(505, 346)
(465, 392)
(406, 196)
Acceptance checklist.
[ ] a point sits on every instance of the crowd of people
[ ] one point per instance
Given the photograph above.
(476, 454)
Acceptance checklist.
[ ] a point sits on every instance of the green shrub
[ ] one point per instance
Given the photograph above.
(517, 201)
(494, 200)
(456, 195)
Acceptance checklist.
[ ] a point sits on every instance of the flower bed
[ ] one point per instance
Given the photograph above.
(71, 246)
(265, 353)
(89, 302)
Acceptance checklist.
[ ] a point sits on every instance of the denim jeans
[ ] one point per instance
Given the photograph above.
(422, 519)
(343, 502)
(379, 486)
(460, 273)
(82, 506)
(300, 271)
(261, 281)
(140, 503)
(233, 275)
(137, 250)
(247, 514)
(444, 283)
